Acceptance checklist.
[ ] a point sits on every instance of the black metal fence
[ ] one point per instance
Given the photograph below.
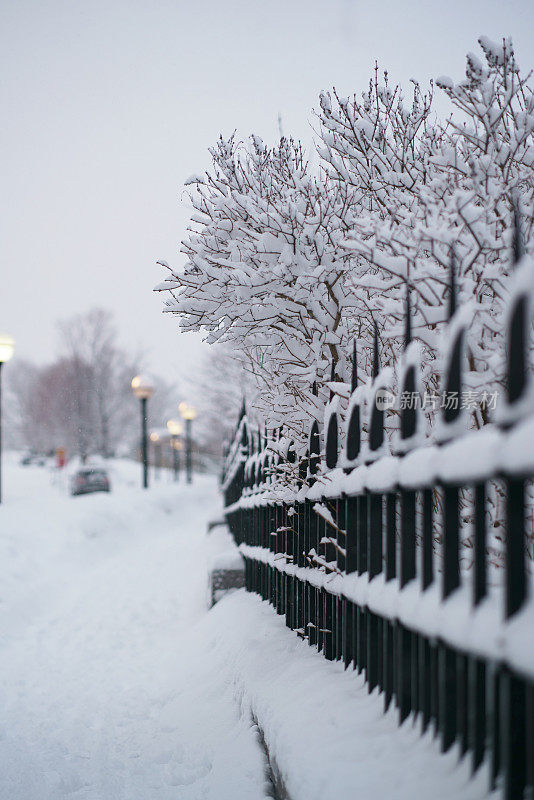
(349, 554)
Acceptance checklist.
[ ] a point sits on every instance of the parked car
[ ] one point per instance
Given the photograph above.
(32, 458)
(90, 479)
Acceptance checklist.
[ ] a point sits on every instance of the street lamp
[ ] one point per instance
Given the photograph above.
(175, 428)
(143, 389)
(188, 413)
(154, 438)
(7, 346)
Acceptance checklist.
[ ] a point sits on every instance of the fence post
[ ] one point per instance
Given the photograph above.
(452, 383)
(477, 669)
(514, 694)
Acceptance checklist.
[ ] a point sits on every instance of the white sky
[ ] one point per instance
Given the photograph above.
(108, 105)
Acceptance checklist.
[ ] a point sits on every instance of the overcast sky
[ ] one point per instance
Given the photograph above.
(109, 105)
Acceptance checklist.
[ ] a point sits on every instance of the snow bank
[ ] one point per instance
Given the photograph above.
(223, 553)
(329, 738)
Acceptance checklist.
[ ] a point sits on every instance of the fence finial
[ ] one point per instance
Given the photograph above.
(408, 314)
(332, 378)
(452, 284)
(354, 366)
(314, 448)
(243, 411)
(314, 388)
(517, 242)
(376, 355)
(303, 467)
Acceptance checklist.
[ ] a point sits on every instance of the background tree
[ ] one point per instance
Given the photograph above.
(83, 401)
(220, 385)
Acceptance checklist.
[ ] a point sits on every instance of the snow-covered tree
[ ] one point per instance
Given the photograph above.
(82, 400)
(289, 263)
(218, 387)
(266, 269)
(432, 190)
(99, 375)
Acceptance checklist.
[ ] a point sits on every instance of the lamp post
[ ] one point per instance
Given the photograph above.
(6, 351)
(188, 414)
(175, 428)
(154, 438)
(143, 389)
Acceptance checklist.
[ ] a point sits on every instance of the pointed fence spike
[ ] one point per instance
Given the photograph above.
(376, 354)
(314, 388)
(408, 313)
(331, 446)
(332, 378)
(517, 242)
(452, 284)
(354, 367)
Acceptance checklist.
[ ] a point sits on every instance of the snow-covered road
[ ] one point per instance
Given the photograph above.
(105, 688)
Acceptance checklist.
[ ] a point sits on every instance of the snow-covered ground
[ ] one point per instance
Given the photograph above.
(105, 689)
(117, 684)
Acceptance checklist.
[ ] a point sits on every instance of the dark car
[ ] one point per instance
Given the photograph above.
(90, 479)
(32, 458)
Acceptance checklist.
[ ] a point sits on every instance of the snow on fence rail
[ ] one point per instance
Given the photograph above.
(349, 554)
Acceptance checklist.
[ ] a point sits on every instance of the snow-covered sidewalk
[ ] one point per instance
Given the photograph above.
(106, 690)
